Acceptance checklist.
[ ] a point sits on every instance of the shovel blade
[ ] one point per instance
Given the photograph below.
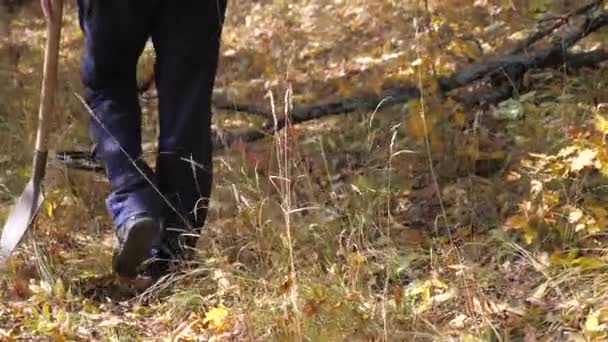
(20, 218)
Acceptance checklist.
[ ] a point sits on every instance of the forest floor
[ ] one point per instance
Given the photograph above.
(502, 239)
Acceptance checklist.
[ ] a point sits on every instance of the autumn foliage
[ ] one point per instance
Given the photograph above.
(465, 211)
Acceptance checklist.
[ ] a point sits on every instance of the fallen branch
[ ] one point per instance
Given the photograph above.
(590, 59)
(504, 72)
(509, 69)
(300, 114)
(492, 95)
(543, 57)
(220, 102)
(506, 67)
(558, 22)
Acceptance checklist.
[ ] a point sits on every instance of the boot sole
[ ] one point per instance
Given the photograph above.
(135, 248)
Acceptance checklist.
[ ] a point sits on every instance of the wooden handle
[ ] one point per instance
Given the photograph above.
(49, 75)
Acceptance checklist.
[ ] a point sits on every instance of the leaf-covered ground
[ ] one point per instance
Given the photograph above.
(502, 239)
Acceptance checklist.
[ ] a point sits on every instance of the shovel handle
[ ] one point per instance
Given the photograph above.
(49, 85)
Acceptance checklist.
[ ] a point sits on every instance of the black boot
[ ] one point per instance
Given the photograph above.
(134, 239)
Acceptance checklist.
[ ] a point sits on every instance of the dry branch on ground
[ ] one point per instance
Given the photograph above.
(495, 79)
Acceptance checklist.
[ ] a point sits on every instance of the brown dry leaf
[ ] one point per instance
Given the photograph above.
(585, 158)
(538, 297)
(458, 322)
(460, 118)
(9, 335)
(286, 286)
(188, 329)
(398, 295)
(111, 322)
(408, 237)
(313, 307)
(530, 334)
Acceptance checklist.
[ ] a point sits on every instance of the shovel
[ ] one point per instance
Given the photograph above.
(24, 211)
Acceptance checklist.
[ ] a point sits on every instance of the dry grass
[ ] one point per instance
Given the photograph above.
(351, 228)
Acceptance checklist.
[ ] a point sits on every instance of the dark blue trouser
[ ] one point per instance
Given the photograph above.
(186, 37)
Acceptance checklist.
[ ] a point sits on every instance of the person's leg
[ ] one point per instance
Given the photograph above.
(115, 33)
(187, 39)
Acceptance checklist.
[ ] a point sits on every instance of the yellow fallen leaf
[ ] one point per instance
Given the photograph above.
(601, 124)
(516, 222)
(589, 263)
(49, 208)
(584, 158)
(575, 215)
(595, 324)
(217, 318)
(530, 234)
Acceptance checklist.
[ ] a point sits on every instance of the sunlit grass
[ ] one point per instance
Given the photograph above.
(368, 255)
